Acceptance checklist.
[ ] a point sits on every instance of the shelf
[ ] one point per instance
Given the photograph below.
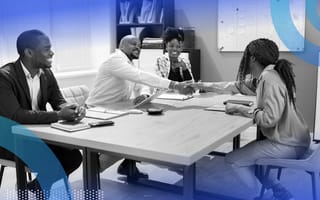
(140, 24)
(134, 11)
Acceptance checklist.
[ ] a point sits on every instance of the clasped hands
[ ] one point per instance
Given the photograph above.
(71, 112)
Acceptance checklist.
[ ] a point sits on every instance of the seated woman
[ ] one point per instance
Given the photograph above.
(171, 65)
(287, 135)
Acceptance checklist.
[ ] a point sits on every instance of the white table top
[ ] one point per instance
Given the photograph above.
(182, 135)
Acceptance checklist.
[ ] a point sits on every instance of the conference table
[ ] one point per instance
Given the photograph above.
(179, 137)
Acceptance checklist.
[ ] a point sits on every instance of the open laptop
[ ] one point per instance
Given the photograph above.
(149, 99)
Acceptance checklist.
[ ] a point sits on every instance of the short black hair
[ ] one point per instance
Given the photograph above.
(28, 39)
(173, 33)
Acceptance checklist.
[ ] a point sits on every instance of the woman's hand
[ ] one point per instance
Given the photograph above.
(180, 64)
(241, 109)
(232, 108)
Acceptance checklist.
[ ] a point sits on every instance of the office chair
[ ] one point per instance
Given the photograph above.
(310, 162)
(10, 163)
(76, 94)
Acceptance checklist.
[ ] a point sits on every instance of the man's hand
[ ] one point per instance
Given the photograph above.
(140, 98)
(184, 87)
(205, 86)
(71, 112)
(81, 111)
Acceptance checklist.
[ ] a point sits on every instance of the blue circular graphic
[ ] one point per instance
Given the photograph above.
(36, 155)
(280, 13)
(312, 14)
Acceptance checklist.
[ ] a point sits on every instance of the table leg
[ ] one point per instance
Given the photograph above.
(189, 182)
(260, 136)
(91, 176)
(21, 179)
(236, 142)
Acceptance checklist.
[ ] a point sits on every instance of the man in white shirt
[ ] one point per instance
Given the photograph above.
(119, 79)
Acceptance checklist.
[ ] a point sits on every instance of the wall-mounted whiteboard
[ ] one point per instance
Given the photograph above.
(317, 114)
(241, 21)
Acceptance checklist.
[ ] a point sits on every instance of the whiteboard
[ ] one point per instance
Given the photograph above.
(317, 114)
(241, 21)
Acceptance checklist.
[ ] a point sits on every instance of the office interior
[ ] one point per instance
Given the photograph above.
(215, 65)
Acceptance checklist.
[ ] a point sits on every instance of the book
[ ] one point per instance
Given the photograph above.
(175, 96)
(152, 43)
(70, 126)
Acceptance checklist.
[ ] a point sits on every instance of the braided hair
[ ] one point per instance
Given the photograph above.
(266, 52)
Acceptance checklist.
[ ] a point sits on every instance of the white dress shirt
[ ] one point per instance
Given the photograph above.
(117, 81)
(34, 86)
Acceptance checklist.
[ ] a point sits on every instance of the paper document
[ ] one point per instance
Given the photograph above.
(217, 107)
(105, 114)
(174, 96)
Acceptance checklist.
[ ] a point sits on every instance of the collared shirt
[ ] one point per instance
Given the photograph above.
(277, 117)
(163, 66)
(116, 81)
(34, 86)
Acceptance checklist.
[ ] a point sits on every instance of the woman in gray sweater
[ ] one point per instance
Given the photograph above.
(286, 133)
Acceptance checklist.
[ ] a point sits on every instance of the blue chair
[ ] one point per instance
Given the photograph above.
(310, 162)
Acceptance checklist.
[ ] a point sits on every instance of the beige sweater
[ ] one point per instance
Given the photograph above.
(278, 119)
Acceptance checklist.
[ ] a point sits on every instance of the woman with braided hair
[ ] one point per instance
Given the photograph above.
(286, 133)
(271, 79)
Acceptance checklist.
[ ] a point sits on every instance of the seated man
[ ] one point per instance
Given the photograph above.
(117, 80)
(26, 86)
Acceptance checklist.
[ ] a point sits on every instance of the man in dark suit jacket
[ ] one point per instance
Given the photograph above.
(26, 86)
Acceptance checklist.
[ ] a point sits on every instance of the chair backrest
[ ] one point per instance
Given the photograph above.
(76, 94)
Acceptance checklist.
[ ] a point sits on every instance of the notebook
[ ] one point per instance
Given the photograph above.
(174, 96)
(70, 126)
(239, 101)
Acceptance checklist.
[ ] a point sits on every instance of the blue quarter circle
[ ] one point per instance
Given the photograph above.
(36, 155)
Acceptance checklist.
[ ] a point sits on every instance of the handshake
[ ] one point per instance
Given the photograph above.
(189, 87)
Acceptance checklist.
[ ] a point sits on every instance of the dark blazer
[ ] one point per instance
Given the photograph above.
(15, 101)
